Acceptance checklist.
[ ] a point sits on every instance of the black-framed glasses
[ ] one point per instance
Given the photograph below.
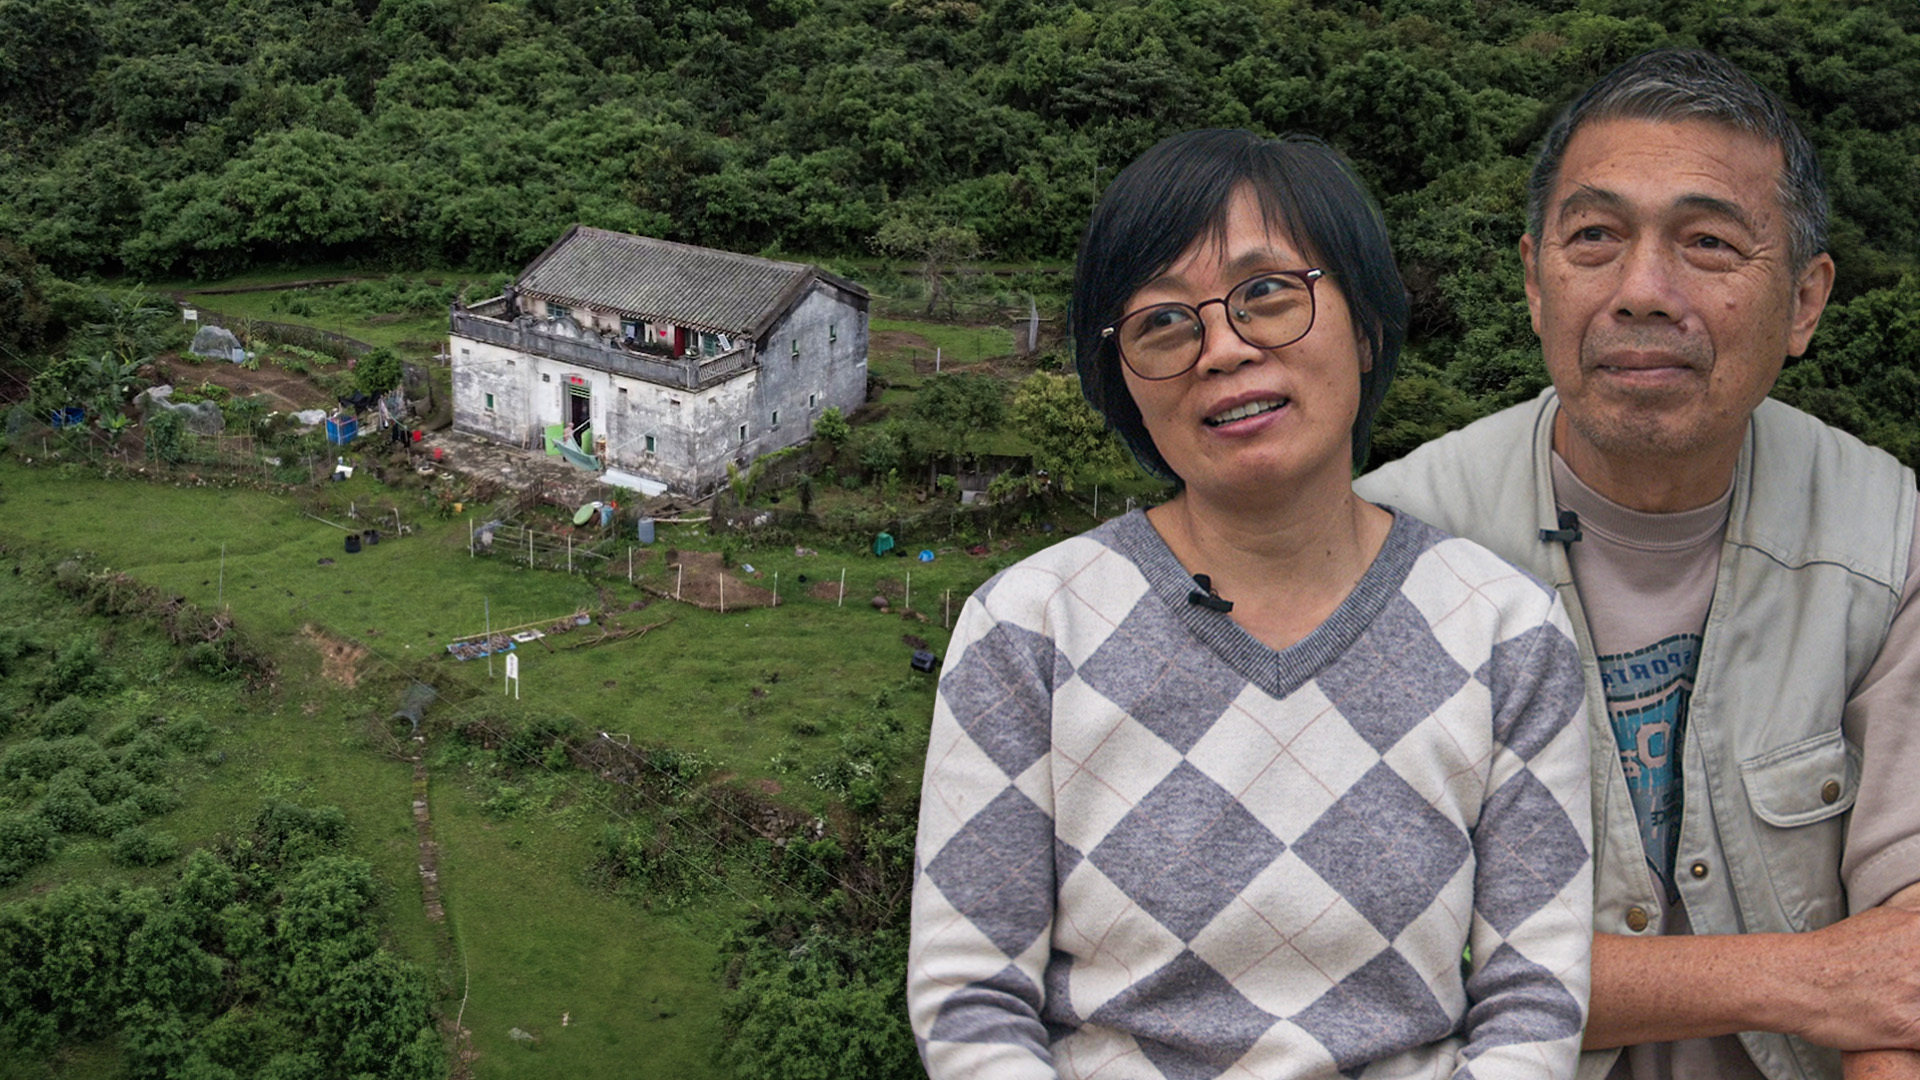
(1268, 310)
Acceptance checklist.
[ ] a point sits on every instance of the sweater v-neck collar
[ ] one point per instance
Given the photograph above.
(1275, 672)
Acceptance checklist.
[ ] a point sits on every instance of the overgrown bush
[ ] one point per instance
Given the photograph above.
(68, 806)
(263, 959)
(139, 846)
(25, 841)
(71, 715)
(77, 667)
(190, 733)
(817, 1006)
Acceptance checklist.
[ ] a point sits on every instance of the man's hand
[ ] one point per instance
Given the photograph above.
(1864, 975)
(1854, 985)
(1886, 1064)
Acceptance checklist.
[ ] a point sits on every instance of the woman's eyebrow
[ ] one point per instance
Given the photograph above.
(1260, 259)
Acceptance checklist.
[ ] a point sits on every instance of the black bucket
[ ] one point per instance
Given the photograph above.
(353, 543)
(371, 536)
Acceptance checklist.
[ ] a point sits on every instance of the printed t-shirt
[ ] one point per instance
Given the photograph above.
(1645, 583)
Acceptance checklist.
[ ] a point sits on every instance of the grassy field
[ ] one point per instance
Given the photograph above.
(356, 311)
(765, 699)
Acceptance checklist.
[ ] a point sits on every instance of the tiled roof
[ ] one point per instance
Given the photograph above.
(668, 282)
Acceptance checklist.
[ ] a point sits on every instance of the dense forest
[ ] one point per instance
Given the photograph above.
(155, 138)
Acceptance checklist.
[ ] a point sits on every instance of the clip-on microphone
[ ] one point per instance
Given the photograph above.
(1205, 597)
(1567, 533)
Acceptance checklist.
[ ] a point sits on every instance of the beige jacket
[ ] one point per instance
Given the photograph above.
(1810, 576)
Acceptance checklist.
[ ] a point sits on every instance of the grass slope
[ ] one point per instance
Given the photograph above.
(767, 699)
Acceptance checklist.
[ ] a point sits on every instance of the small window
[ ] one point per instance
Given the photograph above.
(466, 354)
(546, 377)
(623, 389)
(743, 433)
(631, 329)
(558, 311)
(489, 402)
(813, 401)
(796, 348)
(776, 418)
(649, 444)
(833, 333)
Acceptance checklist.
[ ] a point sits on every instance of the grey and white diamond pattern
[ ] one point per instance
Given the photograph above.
(1183, 793)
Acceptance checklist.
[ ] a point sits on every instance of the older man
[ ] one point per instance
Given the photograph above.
(1742, 580)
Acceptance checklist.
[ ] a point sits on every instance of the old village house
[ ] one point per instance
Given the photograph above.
(660, 359)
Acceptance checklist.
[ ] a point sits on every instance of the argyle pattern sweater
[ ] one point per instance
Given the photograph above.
(1150, 846)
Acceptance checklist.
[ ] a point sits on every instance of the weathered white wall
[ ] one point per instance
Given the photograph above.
(480, 369)
(831, 334)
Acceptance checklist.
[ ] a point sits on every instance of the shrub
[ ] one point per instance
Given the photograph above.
(38, 759)
(144, 758)
(115, 819)
(68, 805)
(111, 785)
(156, 799)
(25, 840)
(190, 733)
(71, 715)
(211, 658)
(76, 668)
(139, 846)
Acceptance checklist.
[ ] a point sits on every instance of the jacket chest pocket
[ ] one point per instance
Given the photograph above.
(1800, 795)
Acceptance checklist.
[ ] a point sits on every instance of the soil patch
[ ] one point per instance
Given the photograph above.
(707, 584)
(285, 391)
(895, 341)
(339, 660)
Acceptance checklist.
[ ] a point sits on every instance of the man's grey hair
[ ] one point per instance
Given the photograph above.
(1672, 85)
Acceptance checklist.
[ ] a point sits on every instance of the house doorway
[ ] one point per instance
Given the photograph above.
(579, 414)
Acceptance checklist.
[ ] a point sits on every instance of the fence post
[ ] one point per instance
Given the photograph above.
(629, 564)
(776, 588)
(908, 602)
(843, 588)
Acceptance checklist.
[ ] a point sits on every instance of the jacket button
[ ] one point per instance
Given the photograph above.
(1830, 792)
(1636, 919)
(1698, 870)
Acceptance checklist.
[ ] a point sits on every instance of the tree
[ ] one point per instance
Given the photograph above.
(130, 326)
(832, 428)
(956, 408)
(377, 372)
(937, 242)
(21, 297)
(1070, 440)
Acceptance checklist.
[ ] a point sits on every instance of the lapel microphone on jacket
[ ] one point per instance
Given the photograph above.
(1567, 533)
(1205, 597)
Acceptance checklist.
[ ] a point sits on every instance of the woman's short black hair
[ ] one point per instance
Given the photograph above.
(1179, 192)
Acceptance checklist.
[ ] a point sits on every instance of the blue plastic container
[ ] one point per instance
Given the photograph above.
(342, 429)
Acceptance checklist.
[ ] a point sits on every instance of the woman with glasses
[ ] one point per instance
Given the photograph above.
(1265, 781)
